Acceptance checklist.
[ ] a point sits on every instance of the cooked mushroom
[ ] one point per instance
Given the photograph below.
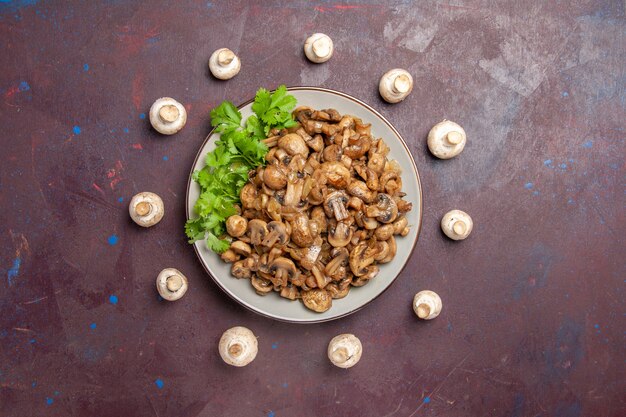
(361, 257)
(340, 259)
(395, 85)
(294, 144)
(391, 242)
(339, 234)
(290, 292)
(384, 232)
(318, 48)
(301, 233)
(317, 299)
(446, 139)
(241, 270)
(241, 248)
(229, 256)
(146, 209)
(257, 230)
(282, 269)
(277, 232)
(274, 177)
(171, 284)
(335, 205)
(336, 174)
(167, 116)
(224, 64)
(238, 346)
(236, 225)
(261, 285)
(427, 305)
(361, 190)
(457, 224)
(344, 350)
(385, 210)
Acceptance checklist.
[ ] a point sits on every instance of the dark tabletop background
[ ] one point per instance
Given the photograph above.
(533, 317)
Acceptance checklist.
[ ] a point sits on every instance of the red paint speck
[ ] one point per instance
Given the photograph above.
(137, 146)
(100, 190)
(137, 90)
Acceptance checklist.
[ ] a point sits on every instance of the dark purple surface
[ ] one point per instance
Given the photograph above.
(533, 318)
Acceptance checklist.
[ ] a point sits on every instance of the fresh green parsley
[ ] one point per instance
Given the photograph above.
(239, 149)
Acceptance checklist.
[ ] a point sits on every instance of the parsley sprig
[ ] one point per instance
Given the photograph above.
(239, 149)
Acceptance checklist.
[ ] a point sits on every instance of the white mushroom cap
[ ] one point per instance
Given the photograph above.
(446, 139)
(395, 85)
(171, 284)
(318, 48)
(457, 224)
(345, 350)
(146, 209)
(167, 116)
(427, 305)
(238, 346)
(224, 64)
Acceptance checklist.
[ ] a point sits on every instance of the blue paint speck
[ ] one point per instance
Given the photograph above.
(597, 326)
(32, 341)
(565, 94)
(49, 400)
(76, 130)
(426, 400)
(14, 271)
(563, 166)
(112, 240)
(588, 144)
(125, 130)
(570, 201)
(120, 200)
(85, 67)
(528, 185)
(271, 414)
(34, 384)
(159, 383)
(613, 166)
(209, 5)
(548, 162)
(23, 86)
(113, 299)
(142, 116)
(275, 345)
(535, 193)
(165, 158)
(285, 385)
(93, 326)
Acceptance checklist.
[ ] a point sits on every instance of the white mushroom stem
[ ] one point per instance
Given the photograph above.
(395, 85)
(171, 284)
(238, 346)
(167, 116)
(146, 209)
(457, 224)
(318, 48)
(446, 139)
(224, 64)
(427, 305)
(345, 350)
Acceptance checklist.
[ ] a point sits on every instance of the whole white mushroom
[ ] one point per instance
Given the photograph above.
(146, 209)
(171, 284)
(427, 304)
(318, 48)
(238, 346)
(167, 116)
(395, 85)
(457, 224)
(446, 139)
(224, 64)
(345, 350)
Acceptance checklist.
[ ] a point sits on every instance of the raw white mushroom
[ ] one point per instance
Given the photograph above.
(171, 284)
(457, 224)
(345, 350)
(238, 346)
(427, 304)
(395, 85)
(318, 48)
(146, 209)
(224, 64)
(446, 139)
(167, 116)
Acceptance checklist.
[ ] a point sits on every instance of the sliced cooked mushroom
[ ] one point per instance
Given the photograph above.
(391, 242)
(335, 205)
(290, 291)
(240, 269)
(395, 85)
(241, 248)
(282, 269)
(317, 299)
(340, 258)
(385, 210)
(167, 116)
(224, 64)
(146, 209)
(236, 225)
(446, 139)
(336, 174)
(361, 257)
(384, 232)
(229, 256)
(277, 232)
(238, 346)
(359, 189)
(257, 230)
(345, 350)
(457, 224)
(248, 195)
(261, 285)
(339, 234)
(171, 284)
(318, 48)
(336, 292)
(427, 304)
(294, 144)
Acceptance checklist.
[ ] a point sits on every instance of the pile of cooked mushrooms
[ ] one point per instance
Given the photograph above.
(322, 214)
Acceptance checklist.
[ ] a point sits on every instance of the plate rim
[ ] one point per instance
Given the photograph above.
(419, 225)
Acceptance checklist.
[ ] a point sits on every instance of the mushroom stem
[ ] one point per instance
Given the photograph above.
(143, 209)
(339, 210)
(235, 350)
(454, 138)
(225, 57)
(340, 355)
(423, 311)
(401, 84)
(169, 113)
(459, 227)
(174, 283)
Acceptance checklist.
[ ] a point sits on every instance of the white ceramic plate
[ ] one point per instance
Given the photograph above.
(279, 308)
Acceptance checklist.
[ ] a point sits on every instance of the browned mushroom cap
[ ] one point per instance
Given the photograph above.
(248, 196)
(261, 285)
(290, 291)
(301, 233)
(376, 161)
(335, 205)
(241, 270)
(361, 190)
(361, 257)
(399, 225)
(337, 175)
(371, 272)
(293, 144)
(241, 248)
(336, 291)
(277, 232)
(385, 210)
(319, 216)
(339, 234)
(390, 182)
(332, 153)
(257, 230)
(274, 177)
(317, 299)
(392, 250)
(358, 147)
(384, 231)
(229, 256)
(340, 258)
(383, 251)
(236, 225)
(282, 269)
